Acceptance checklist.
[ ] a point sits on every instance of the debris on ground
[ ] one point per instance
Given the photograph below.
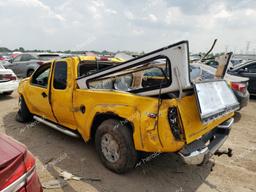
(69, 176)
(54, 184)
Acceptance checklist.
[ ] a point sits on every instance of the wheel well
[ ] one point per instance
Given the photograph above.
(100, 117)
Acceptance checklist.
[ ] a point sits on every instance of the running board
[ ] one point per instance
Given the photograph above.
(56, 127)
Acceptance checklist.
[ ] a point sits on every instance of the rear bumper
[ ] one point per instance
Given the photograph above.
(243, 99)
(8, 86)
(202, 149)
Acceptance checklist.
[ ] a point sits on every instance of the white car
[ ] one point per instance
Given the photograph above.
(8, 81)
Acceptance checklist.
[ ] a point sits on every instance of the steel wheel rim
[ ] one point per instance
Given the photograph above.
(110, 148)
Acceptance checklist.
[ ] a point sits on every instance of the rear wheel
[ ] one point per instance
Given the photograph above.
(115, 147)
(30, 72)
(23, 115)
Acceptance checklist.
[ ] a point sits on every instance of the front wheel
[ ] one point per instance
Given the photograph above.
(23, 115)
(115, 147)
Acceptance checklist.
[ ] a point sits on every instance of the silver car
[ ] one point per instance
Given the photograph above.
(25, 64)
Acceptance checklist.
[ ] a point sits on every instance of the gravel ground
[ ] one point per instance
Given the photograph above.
(56, 152)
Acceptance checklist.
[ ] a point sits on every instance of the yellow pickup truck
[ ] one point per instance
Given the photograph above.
(146, 104)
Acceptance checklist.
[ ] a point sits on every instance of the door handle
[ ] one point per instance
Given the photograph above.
(44, 94)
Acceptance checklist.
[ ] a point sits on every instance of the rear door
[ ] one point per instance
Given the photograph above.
(61, 93)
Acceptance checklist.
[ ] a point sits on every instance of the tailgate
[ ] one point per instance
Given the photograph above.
(200, 114)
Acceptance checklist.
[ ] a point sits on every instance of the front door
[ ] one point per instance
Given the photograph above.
(38, 91)
(61, 93)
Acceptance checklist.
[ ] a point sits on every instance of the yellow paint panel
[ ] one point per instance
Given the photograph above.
(192, 124)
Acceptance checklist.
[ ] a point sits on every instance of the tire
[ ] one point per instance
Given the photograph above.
(120, 136)
(30, 72)
(8, 93)
(23, 115)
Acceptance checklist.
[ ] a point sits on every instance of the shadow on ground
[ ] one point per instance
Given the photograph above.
(5, 97)
(165, 172)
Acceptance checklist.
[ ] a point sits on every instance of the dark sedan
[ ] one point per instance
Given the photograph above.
(248, 70)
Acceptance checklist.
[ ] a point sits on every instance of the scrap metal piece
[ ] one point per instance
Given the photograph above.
(69, 176)
(54, 184)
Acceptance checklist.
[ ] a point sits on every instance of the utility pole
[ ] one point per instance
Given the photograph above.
(248, 47)
(226, 48)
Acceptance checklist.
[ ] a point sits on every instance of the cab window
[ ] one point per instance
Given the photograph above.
(40, 77)
(60, 75)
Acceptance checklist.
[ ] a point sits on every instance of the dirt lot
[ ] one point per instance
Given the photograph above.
(55, 152)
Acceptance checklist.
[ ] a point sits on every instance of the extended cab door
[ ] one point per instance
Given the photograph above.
(38, 93)
(61, 93)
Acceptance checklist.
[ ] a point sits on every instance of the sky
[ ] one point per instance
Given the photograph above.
(135, 25)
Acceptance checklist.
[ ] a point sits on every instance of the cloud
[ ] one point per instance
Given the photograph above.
(118, 25)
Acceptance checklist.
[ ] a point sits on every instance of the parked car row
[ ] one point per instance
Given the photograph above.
(25, 64)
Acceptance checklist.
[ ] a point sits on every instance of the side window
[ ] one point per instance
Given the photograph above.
(40, 77)
(27, 57)
(153, 77)
(60, 75)
(252, 68)
(17, 58)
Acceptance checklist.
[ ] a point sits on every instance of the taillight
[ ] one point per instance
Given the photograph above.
(29, 161)
(102, 58)
(22, 174)
(7, 77)
(175, 123)
(241, 87)
(40, 62)
(21, 170)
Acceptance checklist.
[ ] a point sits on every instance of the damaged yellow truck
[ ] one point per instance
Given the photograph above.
(146, 104)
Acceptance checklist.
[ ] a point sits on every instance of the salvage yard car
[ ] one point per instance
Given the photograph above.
(248, 70)
(17, 167)
(146, 104)
(8, 81)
